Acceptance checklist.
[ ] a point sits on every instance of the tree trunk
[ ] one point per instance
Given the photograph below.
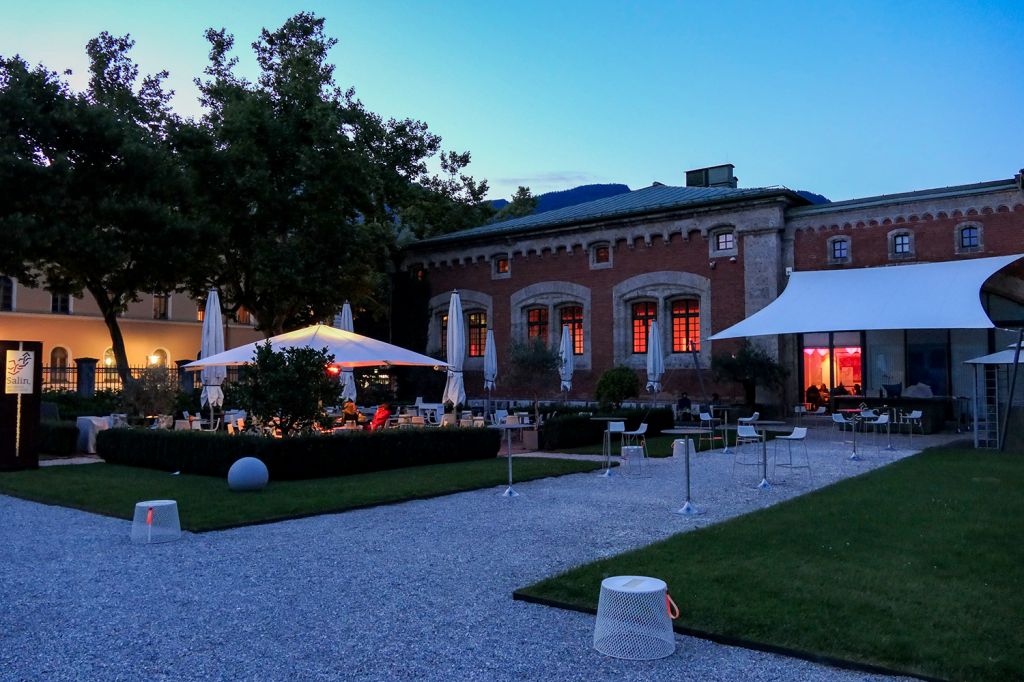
(109, 311)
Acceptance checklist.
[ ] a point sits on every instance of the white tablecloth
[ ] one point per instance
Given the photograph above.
(88, 427)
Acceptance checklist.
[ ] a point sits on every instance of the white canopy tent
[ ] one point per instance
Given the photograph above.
(942, 295)
(348, 348)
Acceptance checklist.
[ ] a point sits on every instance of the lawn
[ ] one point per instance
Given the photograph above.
(917, 566)
(205, 503)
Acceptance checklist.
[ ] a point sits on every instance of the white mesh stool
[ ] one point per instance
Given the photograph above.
(156, 521)
(633, 457)
(633, 620)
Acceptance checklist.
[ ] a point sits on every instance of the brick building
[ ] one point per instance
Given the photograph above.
(699, 259)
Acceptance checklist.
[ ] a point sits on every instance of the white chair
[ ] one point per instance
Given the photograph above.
(748, 420)
(876, 425)
(615, 428)
(746, 435)
(912, 419)
(500, 416)
(213, 427)
(799, 411)
(799, 435)
(637, 437)
(707, 430)
(839, 425)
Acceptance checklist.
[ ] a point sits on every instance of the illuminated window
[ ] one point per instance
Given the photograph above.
(685, 325)
(537, 324)
(601, 256)
(59, 357)
(108, 358)
(242, 316)
(6, 294)
(477, 333)
(201, 310)
(60, 304)
(158, 358)
(161, 306)
(572, 315)
(501, 266)
(644, 313)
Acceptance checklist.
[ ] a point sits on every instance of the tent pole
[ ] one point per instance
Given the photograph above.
(1013, 385)
(975, 415)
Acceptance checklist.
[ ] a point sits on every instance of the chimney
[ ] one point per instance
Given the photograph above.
(712, 176)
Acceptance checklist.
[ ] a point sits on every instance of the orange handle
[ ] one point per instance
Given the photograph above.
(673, 610)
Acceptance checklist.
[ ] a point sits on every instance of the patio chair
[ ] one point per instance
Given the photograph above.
(799, 435)
(912, 419)
(799, 411)
(479, 422)
(747, 420)
(213, 427)
(637, 437)
(707, 430)
(839, 425)
(466, 423)
(499, 416)
(418, 422)
(448, 420)
(877, 425)
(745, 435)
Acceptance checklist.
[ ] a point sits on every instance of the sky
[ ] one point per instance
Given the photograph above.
(844, 99)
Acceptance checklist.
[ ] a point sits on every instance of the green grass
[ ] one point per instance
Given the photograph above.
(205, 503)
(918, 566)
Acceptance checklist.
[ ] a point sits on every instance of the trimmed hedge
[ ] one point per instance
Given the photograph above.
(299, 457)
(58, 438)
(571, 431)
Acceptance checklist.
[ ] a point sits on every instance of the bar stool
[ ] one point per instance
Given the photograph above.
(707, 430)
(745, 435)
(799, 435)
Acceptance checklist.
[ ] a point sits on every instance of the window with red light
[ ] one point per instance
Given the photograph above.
(572, 315)
(537, 324)
(643, 314)
(477, 333)
(501, 265)
(685, 325)
(602, 254)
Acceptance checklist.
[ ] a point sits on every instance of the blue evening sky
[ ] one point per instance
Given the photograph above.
(845, 99)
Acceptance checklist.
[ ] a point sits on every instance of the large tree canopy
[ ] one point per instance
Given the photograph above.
(91, 189)
(306, 191)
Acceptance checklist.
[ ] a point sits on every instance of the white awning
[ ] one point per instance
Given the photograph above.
(944, 295)
(1003, 357)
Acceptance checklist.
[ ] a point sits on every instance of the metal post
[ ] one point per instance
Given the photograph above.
(688, 509)
(764, 484)
(508, 491)
(607, 443)
(1009, 395)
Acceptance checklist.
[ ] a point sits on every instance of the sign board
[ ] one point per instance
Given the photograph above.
(19, 372)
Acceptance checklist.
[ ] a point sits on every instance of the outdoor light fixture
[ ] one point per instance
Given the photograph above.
(154, 359)
(711, 264)
(333, 369)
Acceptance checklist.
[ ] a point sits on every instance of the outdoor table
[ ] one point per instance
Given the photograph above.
(725, 410)
(88, 427)
(606, 442)
(687, 509)
(508, 428)
(765, 426)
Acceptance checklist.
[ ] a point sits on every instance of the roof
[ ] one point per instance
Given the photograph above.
(943, 295)
(647, 200)
(918, 195)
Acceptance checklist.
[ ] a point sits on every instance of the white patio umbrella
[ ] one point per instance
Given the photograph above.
(343, 321)
(212, 344)
(490, 368)
(454, 389)
(655, 359)
(566, 361)
(348, 348)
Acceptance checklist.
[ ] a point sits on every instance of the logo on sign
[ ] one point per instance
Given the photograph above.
(18, 376)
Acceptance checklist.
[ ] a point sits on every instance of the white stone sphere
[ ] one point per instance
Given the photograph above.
(248, 474)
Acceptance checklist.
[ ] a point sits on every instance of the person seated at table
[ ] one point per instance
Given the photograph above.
(840, 390)
(857, 390)
(823, 390)
(350, 413)
(683, 406)
(380, 417)
(813, 396)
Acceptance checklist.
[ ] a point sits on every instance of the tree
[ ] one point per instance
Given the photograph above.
(288, 389)
(523, 204)
(751, 367)
(617, 384)
(91, 188)
(533, 369)
(310, 193)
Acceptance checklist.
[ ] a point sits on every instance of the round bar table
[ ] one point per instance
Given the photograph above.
(508, 429)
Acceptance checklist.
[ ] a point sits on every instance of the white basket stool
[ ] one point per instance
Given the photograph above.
(633, 458)
(633, 620)
(156, 521)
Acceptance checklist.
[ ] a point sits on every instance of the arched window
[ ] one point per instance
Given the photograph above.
(685, 325)
(572, 315)
(477, 341)
(644, 312)
(108, 358)
(969, 238)
(158, 358)
(6, 294)
(59, 357)
(537, 324)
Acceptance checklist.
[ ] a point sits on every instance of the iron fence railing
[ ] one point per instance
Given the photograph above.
(107, 379)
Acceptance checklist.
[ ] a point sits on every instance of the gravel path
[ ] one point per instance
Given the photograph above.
(420, 590)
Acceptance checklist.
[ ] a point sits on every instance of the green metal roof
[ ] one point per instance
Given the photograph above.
(647, 200)
(882, 199)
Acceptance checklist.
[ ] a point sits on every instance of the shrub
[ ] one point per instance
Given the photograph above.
(72, 406)
(617, 384)
(299, 457)
(571, 431)
(58, 438)
(153, 392)
(751, 367)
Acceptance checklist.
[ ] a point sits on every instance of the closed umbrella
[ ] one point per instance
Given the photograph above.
(343, 321)
(212, 344)
(655, 359)
(566, 361)
(454, 390)
(490, 368)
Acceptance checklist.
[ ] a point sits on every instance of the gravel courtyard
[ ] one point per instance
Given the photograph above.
(420, 590)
